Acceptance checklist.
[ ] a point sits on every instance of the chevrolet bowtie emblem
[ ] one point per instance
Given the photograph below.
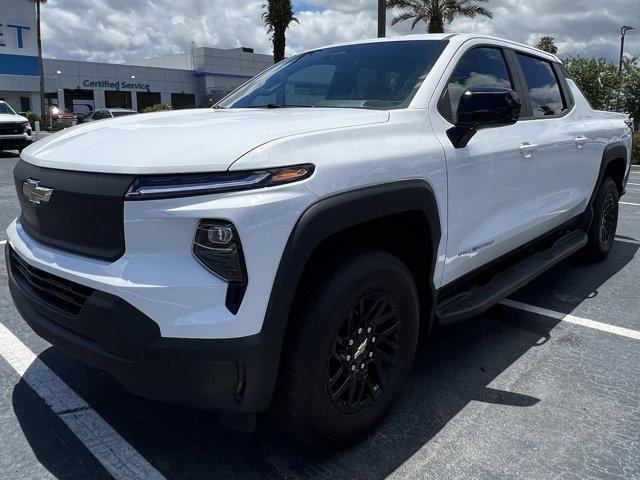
(35, 193)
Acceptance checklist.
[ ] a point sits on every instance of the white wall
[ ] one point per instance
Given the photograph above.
(20, 13)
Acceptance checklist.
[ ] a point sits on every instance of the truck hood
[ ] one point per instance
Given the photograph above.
(202, 140)
(9, 118)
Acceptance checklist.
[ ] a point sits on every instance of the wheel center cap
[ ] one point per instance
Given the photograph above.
(361, 349)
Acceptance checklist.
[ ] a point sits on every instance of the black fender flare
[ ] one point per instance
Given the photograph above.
(334, 214)
(612, 152)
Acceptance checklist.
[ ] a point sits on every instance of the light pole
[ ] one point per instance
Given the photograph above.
(623, 32)
(382, 18)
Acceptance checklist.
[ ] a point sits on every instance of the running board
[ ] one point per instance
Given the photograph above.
(478, 299)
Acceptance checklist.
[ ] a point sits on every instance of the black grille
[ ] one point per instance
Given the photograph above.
(52, 290)
(11, 128)
(85, 214)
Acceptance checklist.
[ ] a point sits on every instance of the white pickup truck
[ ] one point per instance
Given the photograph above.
(285, 248)
(15, 130)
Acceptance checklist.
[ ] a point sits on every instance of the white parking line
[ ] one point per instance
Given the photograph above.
(628, 240)
(631, 183)
(585, 322)
(120, 459)
(629, 203)
(2, 242)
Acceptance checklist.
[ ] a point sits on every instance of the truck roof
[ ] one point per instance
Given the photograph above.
(459, 38)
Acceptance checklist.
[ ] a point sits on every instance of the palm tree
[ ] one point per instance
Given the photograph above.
(41, 68)
(277, 16)
(436, 12)
(548, 45)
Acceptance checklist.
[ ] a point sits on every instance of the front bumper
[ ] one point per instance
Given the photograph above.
(223, 375)
(14, 142)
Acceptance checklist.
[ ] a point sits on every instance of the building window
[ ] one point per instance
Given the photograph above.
(148, 99)
(183, 100)
(117, 99)
(25, 104)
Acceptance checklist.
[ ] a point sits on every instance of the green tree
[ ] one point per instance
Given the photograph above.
(547, 44)
(277, 16)
(435, 13)
(40, 66)
(598, 78)
(630, 91)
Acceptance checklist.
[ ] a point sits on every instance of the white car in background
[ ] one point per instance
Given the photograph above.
(15, 130)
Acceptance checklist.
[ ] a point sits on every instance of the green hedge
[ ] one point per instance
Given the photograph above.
(33, 118)
(158, 107)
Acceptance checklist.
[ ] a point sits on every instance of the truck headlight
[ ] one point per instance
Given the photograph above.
(217, 247)
(170, 186)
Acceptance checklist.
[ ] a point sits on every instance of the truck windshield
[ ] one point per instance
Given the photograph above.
(5, 108)
(380, 75)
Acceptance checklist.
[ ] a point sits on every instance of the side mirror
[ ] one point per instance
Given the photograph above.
(485, 107)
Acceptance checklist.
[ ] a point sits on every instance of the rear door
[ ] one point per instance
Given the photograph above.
(561, 164)
(491, 182)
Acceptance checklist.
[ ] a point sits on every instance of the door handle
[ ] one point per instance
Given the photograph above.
(527, 149)
(580, 141)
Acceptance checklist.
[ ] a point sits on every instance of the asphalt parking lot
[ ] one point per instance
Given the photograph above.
(547, 386)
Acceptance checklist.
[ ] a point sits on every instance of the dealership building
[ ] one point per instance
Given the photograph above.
(196, 78)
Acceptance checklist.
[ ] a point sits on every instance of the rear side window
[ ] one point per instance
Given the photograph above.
(480, 67)
(544, 90)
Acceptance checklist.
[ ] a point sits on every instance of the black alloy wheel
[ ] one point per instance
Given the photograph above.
(609, 219)
(364, 353)
(602, 231)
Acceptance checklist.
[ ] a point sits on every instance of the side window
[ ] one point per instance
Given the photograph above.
(544, 90)
(480, 67)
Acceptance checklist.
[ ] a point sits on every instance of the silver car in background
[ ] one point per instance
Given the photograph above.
(104, 113)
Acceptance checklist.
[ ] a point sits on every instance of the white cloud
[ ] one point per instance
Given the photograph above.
(120, 30)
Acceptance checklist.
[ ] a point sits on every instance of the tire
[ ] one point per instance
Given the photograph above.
(602, 231)
(320, 369)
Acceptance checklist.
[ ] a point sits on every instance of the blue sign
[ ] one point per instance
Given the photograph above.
(118, 85)
(18, 65)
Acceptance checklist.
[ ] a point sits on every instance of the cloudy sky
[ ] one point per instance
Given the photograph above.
(123, 30)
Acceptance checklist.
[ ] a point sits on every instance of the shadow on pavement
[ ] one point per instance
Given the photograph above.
(574, 280)
(8, 154)
(452, 368)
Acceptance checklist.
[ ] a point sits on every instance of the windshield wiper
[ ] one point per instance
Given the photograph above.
(276, 105)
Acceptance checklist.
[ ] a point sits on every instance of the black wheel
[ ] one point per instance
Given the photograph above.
(355, 335)
(602, 232)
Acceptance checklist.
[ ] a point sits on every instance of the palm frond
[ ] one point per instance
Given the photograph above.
(415, 22)
(474, 11)
(437, 12)
(402, 17)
